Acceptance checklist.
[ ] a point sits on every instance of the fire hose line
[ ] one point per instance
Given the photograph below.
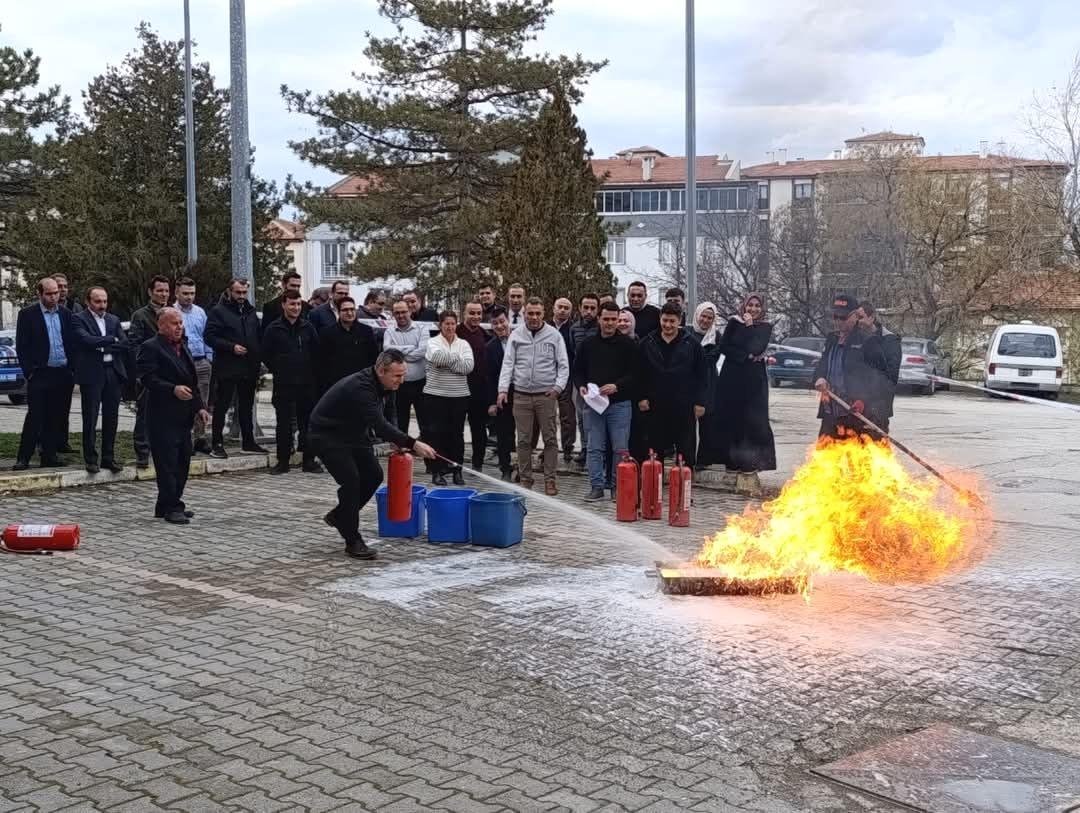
(1015, 396)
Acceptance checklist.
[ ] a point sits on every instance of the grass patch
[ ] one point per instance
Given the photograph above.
(125, 448)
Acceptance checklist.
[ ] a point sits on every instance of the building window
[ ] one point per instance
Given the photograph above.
(678, 200)
(650, 201)
(719, 200)
(763, 196)
(335, 259)
(613, 202)
(804, 190)
(616, 252)
(669, 252)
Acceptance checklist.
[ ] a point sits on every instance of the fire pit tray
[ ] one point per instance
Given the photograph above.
(688, 580)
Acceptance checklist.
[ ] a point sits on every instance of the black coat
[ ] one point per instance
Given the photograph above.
(865, 371)
(344, 352)
(646, 320)
(272, 311)
(32, 339)
(611, 360)
(493, 357)
(426, 315)
(353, 413)
(881, 345)
(740, 436)
(291, 354)
(675, 385)
(161, 369)
(90, 364)
(228, 324)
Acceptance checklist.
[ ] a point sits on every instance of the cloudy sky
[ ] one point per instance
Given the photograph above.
(786, 73)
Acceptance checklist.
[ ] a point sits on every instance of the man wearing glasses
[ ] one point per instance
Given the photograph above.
(345, 347)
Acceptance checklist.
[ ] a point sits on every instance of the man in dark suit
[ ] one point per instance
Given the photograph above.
(272, 310)
(67, 300)
(45, 345)
(101, 373)
(326, 314)
(167, 372)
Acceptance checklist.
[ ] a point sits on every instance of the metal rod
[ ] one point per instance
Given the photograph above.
(691, 164)
(189, 141)
(874, 427)
(241, 151)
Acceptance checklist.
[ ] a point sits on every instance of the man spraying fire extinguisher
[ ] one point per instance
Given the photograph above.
(343, 427)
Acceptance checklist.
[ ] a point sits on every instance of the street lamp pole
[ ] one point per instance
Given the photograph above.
(189, 141)
(691, 164)
(241, 151)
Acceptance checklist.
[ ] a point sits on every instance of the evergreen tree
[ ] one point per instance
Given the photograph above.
(114, 215)
(431, 135)
(549, 236)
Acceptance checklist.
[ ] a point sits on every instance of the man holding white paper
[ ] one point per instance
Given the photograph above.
(604, 372)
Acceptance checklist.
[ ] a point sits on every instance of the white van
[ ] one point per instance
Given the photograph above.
(1026, 358)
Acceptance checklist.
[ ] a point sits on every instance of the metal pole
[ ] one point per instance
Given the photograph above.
(691, 166)
(189, 140)
(241, 152)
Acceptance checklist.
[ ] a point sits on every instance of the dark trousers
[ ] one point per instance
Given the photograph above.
(478, 419)
(672, 432)
(287, 409)
(358, 474)
(65, 430)
(410, 394)
(568, 421)
(45, 417)
(504, 436)
(444, 428)
(141, 439)
(244, 390)
(100, 397)
(170, 447)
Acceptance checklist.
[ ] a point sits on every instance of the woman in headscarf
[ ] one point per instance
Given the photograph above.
(743, 437)
(627, 324)
(703, 331)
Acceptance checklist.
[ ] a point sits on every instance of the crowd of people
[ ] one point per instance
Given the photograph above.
(634, 381)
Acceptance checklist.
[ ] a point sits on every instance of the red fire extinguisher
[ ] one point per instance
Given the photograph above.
(626, 489)
(679, 494)
(39, 538)
(652, 488)
(399, 487)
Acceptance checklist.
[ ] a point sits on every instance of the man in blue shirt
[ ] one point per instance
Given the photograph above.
(201, 353)
(44, 343)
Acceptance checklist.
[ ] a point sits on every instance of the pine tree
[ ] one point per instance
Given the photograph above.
(432, 135)
(550, 238)
(114, 214)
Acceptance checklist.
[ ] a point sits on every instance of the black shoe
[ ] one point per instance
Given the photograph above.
(92, 468)
(142, 463)
(594, 495)
(613, 495)
(202, 446)
(568, 457)
(219, 452)
(187, 512)
(178, 518)
(330, 518)
(66, 449)
(254, 448)
(458, 477)
(114, 467)
(53, 462)
(314, 467)
(507, 476)
(280, 468)
(580, 459)
(358, 550)
(20, 465)
(438, 480)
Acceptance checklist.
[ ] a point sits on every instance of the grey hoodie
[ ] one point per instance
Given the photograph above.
(535, 363)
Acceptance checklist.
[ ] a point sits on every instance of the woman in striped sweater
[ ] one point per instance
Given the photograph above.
(446, 396)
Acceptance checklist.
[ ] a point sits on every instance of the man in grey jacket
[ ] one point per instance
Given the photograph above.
(537, 366)
(412, 341)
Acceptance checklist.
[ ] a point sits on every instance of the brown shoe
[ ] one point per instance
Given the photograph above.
(551, 489)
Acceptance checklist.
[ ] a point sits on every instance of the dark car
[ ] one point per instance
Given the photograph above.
(12, 383)
(791, 366)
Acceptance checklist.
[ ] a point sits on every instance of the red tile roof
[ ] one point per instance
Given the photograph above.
(286, 230)
(884, 135)
(349, 187)
(930, 163)
(667, 170)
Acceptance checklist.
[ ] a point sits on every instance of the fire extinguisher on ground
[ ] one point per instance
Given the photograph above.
(679, 494)
(652, 488)
(39, 539)
(626, 489)
(399, 487)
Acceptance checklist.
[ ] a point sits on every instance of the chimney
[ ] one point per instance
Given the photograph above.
(783, 156)
(770, 156)
(984, 149)
(837, 155)
(647, 163)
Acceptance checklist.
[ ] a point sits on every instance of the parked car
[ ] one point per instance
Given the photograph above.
(1025, 357)
(796, 368)
(922, 358)
(12, 383)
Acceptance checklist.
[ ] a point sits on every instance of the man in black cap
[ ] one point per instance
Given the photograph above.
(851, 368)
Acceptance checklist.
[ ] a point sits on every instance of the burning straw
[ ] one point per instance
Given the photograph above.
(851, 507)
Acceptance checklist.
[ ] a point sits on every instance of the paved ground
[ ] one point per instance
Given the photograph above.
(243, 663)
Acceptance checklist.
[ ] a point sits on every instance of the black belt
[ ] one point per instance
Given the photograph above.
(198, 358)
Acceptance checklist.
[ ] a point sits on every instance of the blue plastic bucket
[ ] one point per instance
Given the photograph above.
(413, 526)
(448, 514)
(497, 520)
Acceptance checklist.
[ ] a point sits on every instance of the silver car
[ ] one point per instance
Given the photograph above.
(922, 358)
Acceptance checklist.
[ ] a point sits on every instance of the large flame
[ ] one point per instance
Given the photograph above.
(851, 507)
